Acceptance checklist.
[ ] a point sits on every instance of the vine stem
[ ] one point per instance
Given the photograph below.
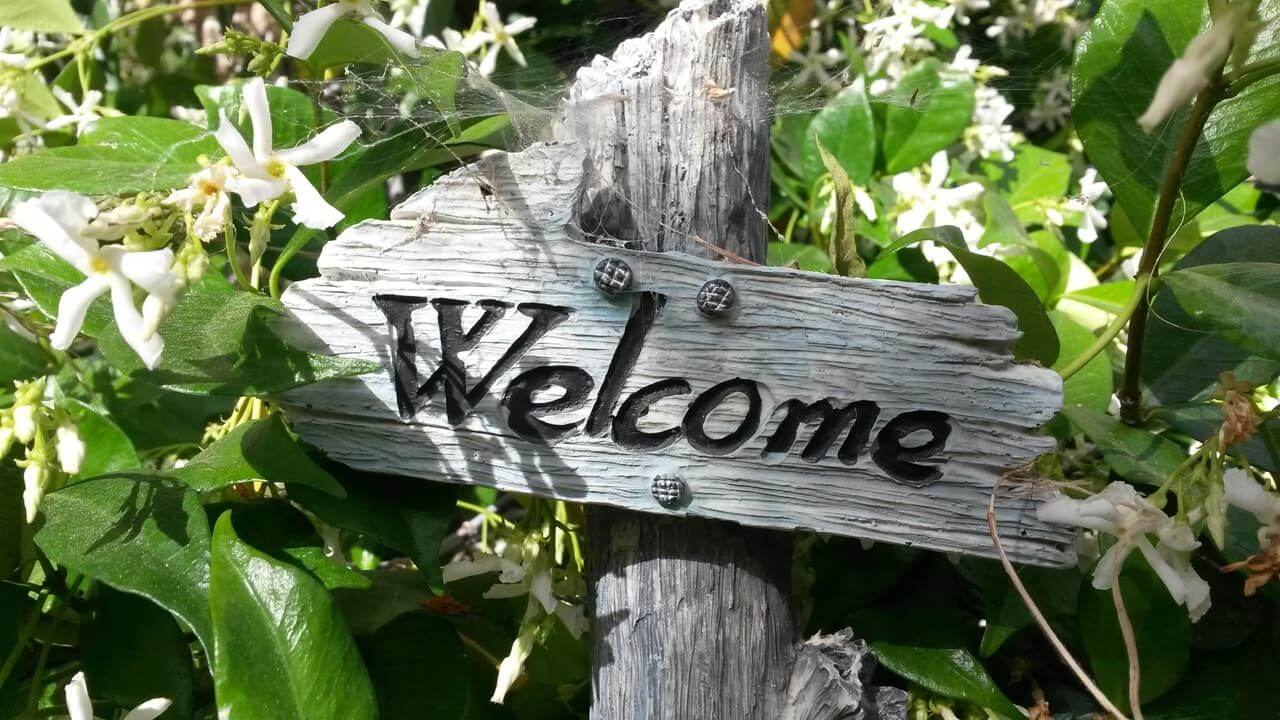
(1130, 394)
(1034, 609)
(1104, 340)
(1131, 649)
(123, 22)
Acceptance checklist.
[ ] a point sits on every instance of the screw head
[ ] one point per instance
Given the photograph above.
(716, 297)
(614, 275)
(671, 492)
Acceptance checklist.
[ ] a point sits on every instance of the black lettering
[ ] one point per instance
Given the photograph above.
(626, 431)
(523, 414)
(889, 453)
(644, 312)
(861, 415)
(411, 395)
(695, 419)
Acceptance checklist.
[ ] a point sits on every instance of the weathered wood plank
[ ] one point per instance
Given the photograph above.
(497, 231)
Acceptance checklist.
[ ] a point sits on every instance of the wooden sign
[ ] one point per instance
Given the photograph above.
(519, 358)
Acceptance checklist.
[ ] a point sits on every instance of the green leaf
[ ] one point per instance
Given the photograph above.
(1110, 297)
(1240, 301)
(107, 448)
(259, 450)
(1182, 363)
(133, 651)
(414, 663)
(283, 650)
(997, 284)
(44, 16)
(1118, 63)
(843, 247)
(798, 255)
(1054, 592)
(278, 11)
(222, 343)
(1092, 385)
(409, 515)
(930, 110)
(1036, 174)
(140, 534)
(284, 533)
(1161, 630)
(20, 358)
(115, 156)
(847, 130)
(953, 672)
(1135, 454)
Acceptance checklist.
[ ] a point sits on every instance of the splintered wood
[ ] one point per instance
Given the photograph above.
(519, 358)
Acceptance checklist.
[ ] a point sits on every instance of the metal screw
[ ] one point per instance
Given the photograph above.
(716, 297)
(671, 492)
(613, 276)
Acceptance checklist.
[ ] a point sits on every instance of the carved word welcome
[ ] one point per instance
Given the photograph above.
(517, 357)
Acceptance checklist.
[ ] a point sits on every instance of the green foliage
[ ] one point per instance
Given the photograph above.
(139, 534)
(1135, 454)
(20, 358)
(412, 661)
(1239, 301)
(115, 156)
(1117, 67)
(282, 648)
(846, 128)
(929, 111)
(258, 450)
(47, 16)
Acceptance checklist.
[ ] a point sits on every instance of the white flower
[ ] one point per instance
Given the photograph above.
(195, 116)
(1245, 493)
(310, 29)
(7, 435)
(411, 14)
(15, 46)
(1264, 153)
(991, 136)
(71, 448)
(60, 220)
(890, 43)
(82, 114)
(1121, 512)
(814, 61)
(265, 174)
(1052, 107)
(509, 669)
(1091, 190)
(501, 36)
(208, 192)
(456, 41)
(35, 477)
(24, 422)
(928, 203)
(1190, 73)
(78, 704)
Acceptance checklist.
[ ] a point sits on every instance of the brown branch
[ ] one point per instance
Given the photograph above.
(1034, 609)
(1131, 649)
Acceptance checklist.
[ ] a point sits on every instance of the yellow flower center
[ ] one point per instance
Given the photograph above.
(275, 169)
(99, 266)
(209, 188)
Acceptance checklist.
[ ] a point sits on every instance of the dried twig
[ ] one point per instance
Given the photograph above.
(1034, 609)
(738, 259)
(1130, 647)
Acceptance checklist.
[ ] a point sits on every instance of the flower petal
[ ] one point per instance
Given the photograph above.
(72, 308)
(58, 219)
(78, 704)
(514, 51)
(459, 569)
(149, 710)
(256, 190)
(131, 325)
(151, 270)
(1264, 153)
(492, 18)
(309, 207)
(254, 95)
(326, 145)
(402, 41)
(520, 24)
(310, 29)
(236, 148)
(490, 61)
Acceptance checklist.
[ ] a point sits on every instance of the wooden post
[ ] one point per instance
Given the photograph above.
(691, 618)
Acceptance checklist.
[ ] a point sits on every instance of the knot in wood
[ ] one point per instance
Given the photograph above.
(716, 297)
(613, 276)
(671, 492)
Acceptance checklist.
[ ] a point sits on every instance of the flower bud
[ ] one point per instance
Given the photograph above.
(1190, 73)
(24, 422)
(71, 448)
(35, 476)
(1264, 153)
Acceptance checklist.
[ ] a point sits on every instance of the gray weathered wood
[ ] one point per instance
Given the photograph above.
(496, 231)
